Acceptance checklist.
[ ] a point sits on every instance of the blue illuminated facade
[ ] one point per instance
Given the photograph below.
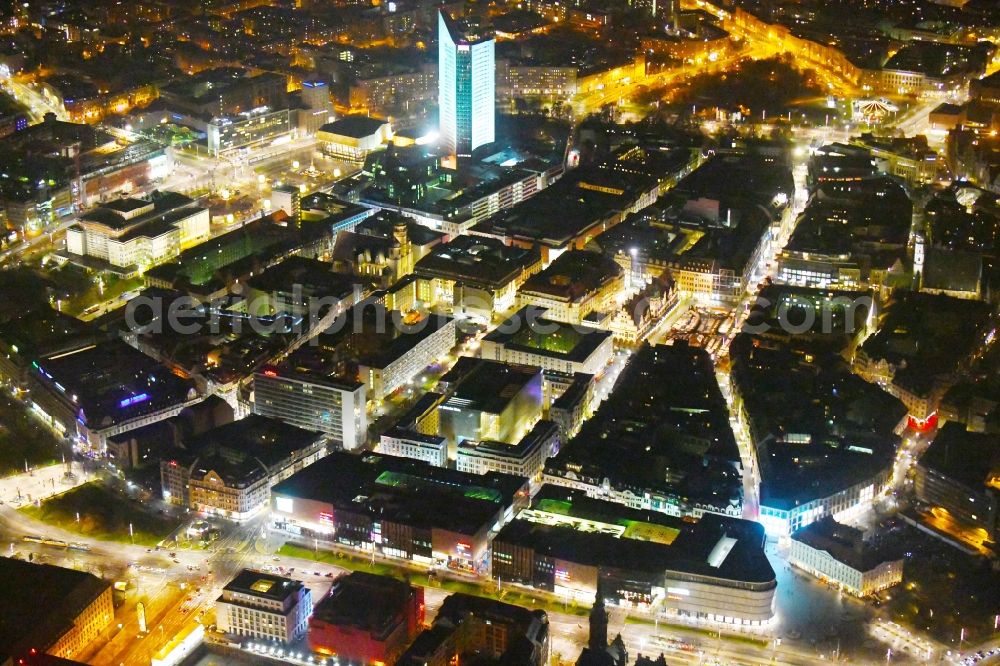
(466, 88)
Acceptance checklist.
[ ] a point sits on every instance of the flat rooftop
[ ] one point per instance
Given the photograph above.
(666, 234)
(529, 331)
(360, 600)
(112, 214)
(239, 251)
(739, 179)
(242, 451)
(45, 332)
(557, 505)
(356, 127)
(970, 458)
(369, 335)
(113, 382)
(263, 585)
(478, 261)
(312, 275)
(573, 275)
(404, 490)
(487, 385)
(569, 208)
(726, 550)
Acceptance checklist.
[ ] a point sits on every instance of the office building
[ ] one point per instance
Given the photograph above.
(399, 508)
(225, 91)
(838, 554)
(287, 198)
(51, 609)
(132, 232)
(332, 405)
(257, 128)
(466, 86)
(475, 275)
(229, 471)
(404, 443)
(525, 457)
(529, 337)
(264, 606)
(467, 626)
(957, 485)
(367, 618)
(573, 286)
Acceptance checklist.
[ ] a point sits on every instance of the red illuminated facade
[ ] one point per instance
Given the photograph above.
(367, 618)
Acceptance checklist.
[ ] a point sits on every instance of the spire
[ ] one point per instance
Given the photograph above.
(598, 622)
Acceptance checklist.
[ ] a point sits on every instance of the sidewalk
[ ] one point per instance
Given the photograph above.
(40, 484)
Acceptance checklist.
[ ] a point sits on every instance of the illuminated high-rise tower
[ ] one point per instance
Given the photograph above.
(466, 86)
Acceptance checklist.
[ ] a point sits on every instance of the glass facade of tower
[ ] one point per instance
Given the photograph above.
(466, 89)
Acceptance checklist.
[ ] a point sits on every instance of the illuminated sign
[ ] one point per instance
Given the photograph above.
(923, 425)
(325, 518)
(135, 399)
(270, 373)
(284, 504)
